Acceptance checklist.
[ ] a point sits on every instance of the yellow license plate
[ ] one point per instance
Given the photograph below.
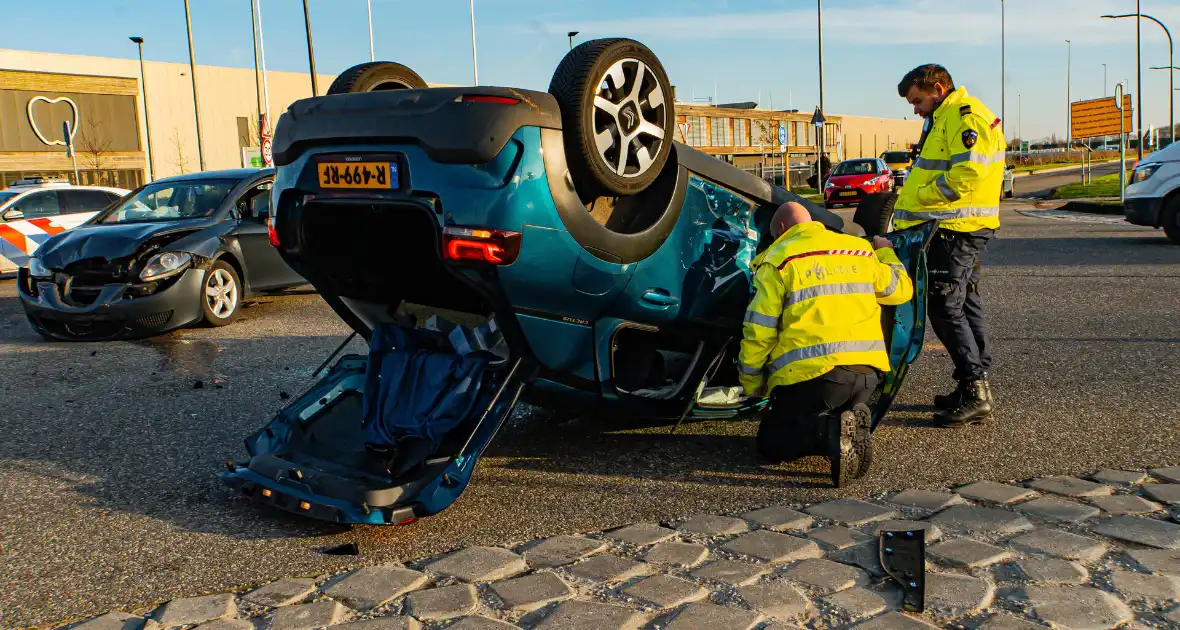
(381, 175)
(848, 193)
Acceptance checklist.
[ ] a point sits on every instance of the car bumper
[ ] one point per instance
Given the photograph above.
(112, 315)
(836, 195)
(1143, 210)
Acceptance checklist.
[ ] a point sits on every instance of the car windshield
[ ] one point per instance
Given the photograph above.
(5, 196)
(168, 201)
(855, 167)
(893, 157)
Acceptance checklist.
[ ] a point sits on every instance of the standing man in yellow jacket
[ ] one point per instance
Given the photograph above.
(956, 181)
(812, 336)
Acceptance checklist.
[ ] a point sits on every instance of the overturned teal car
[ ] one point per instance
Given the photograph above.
(495, 245)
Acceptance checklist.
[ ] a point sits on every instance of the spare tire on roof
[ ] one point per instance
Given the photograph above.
(375, 76)
(617, 116)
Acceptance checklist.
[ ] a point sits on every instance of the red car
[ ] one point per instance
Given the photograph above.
(851, 180)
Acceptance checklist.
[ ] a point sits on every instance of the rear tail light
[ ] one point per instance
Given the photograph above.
(271, 233)
(497, 247)
(488, 98)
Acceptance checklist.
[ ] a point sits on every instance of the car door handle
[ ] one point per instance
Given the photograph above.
(660, 298)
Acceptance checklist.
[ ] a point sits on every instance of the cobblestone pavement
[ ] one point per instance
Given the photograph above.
(1065, 552)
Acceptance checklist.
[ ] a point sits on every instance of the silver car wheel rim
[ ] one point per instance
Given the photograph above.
(221, 293)
(628, 118)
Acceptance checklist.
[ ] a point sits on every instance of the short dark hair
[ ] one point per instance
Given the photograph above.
(924, 77)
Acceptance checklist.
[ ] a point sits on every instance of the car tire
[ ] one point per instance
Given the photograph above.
(1008, 193)
(376, 76)
(595, 87)
(218, 308)
(1170, 219)
(875, 213)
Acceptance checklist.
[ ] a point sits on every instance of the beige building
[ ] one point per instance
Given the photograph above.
(40, 90)
(862, 136)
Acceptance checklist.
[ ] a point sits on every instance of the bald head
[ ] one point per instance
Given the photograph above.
(787, 216)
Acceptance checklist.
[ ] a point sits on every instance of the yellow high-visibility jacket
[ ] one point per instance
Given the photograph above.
(957, 178)
(817, 305)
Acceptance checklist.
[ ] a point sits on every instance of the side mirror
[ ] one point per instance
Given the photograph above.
(1009, 167)
(13, 214)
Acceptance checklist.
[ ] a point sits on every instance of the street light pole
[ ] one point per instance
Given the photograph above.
(474, 59)
(571, 36)
(192, 66)
(1103, 80)
(1138, 81)
(262, 62)
(1171, 93)
(819, 162)
(146, 122)
(1019, 118)
(1003, 75)
(1138, 69)
(1068, 114)
(310, 51)
(369, 6)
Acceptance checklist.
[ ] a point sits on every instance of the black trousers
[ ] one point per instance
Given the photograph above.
(795, 423)
(954, 307)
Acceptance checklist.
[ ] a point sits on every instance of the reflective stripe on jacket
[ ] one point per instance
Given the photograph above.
(817, 305)
(955, 184)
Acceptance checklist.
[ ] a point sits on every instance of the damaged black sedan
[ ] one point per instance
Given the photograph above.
(178, 251)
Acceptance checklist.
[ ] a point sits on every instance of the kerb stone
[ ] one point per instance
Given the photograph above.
(577, 615)
(954, 595)
(1143, 531)
(609, 568)
(114, 620)
(1126, 504)
(560, 550)
(1077, 607)
(665, 591)
(1070, 487)
(1162, 492)
(993, 492)
(369, 587)
(1059, 544)
(851, 512)
(1165, 562)
(1052, 571)
(713, 525)
(698, 616)
(857, 603)
(641, 534)
(824, 576)
(772, 547)
(931, 533)
(1154, 589)
(281, 592)
(475, 622)
(677, 554)
(193, 610)
(448, 602)
(320, 614)
(531, 592)
(779, 518)
(777, 600)
(479, 564)
(1059, 510)
(1170, 475)
(969, 519)
(926, 499)
(731, 572)
(837, 537)
(1119, 477)
(967, 553)
(894, 621)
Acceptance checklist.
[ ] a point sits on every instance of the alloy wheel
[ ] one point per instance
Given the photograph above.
(629, 116)
(221, 293)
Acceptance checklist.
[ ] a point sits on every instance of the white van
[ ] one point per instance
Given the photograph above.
(32, 210)
(1153, 196)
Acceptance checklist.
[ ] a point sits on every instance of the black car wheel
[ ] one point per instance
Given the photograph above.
(221, 294)
(376, 76)
(1171, 219)
(616, 111)
(874, 213)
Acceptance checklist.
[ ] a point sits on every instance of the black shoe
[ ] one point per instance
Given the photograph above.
(842, 452)
(950, 401)
(863, 441)
(975, 408)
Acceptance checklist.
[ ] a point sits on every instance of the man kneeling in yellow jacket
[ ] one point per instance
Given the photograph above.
(813, 337)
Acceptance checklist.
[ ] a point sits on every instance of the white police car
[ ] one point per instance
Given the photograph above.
(32, 210)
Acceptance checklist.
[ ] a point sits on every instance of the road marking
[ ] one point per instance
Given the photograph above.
(1076, 217)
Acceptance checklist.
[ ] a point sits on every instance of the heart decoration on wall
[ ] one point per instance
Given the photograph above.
(33, 121)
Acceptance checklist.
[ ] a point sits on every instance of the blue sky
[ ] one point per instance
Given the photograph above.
(744, 48)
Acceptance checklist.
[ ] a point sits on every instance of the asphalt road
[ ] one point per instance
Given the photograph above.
(109, 456)
(1040, 186)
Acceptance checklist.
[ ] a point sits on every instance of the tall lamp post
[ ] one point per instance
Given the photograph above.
(192, 66)
(146, 122)
(571, 36)
(310, 51)
(474, 59)
(819, 165)
(1139, 70)
(1068, 114)
(369, 6)
(1003, 75)
(1103, 80)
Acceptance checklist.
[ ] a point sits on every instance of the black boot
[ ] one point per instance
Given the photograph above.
(863, 442)
(951, 400)
(841, 447)
(975, 408)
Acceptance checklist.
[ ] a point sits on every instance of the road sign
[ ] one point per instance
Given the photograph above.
(264, 141)
(818, 118)
(782, 135)
(1098, 117)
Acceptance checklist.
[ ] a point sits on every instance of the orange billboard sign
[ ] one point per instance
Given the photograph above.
(1098, 117)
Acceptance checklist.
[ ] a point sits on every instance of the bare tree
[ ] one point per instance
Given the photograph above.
(178, 145)
(249, 136)
(94, 147)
